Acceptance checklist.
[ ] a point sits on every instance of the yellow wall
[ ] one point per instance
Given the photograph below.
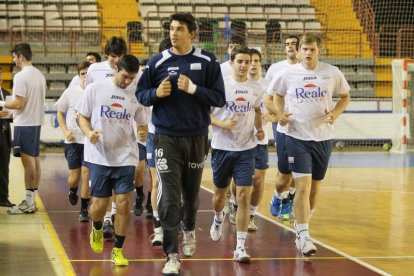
(6, 63)
(115, 16)
(340, 16)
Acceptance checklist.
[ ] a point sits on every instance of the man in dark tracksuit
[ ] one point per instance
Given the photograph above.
(5, 148)
(182, 83)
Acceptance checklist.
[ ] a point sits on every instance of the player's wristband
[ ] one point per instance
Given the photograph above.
(192, 88)
(2, 103)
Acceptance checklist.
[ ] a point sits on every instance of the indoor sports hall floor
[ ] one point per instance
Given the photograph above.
(363, 225)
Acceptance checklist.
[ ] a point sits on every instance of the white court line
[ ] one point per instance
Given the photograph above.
(373, 268)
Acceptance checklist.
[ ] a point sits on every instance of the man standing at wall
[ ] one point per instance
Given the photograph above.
(29, 89)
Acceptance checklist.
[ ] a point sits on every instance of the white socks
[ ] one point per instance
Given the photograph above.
(219, 216)
(241, 239)
(113, 210)
(30, 197)
(253, 210)
(303, 230)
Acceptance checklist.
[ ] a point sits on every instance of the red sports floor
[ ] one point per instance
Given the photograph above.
(272, 247)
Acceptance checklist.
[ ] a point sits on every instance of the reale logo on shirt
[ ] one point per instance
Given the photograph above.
(108, 112)
(310, 91)
(240, 104)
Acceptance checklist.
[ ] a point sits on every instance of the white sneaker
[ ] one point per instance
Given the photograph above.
(252, 225)
(307, 248)
(172, 266)
(216, 230)
(189, 243)
(227, 203)
(297, 242)
(241, 256)
(232, 215)
(157, 237)
(22, 208)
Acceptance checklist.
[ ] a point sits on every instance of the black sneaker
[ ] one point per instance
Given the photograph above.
(108, 230)
(83, 215)
(148, 207)
(138, 208)
(73, 198)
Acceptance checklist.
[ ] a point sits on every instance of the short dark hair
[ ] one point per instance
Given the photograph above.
(165, 44)
(24, 50)
(96, 55)
(116, 45)
(83, 65)
(185, 18)
(255, 52)
(239, 50)
(295, 37)
(238, 39)
(128, 62)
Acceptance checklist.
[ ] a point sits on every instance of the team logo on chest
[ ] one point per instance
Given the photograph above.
(240, 104)
(115, 111)
(310, 93)
(173, 71)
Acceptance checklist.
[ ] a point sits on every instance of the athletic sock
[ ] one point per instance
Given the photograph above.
(30, 196)
(253, 210)
(219, 216)
(119, 241)
(113, 209)
(241, 239)
(97, 225)
(84, 203)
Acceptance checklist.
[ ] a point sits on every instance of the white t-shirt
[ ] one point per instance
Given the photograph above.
(307, 94)
(271, 72)
(30, 84)
(113, 111)
(102, 70)
(75, 81)
(226, 69)
(99, 71)
(265, 84)
(241, 99)
(66, 104)
(276, 67)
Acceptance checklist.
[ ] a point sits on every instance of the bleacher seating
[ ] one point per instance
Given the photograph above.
(21, 16)
(293, 16)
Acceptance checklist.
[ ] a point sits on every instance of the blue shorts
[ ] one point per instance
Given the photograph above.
(142, 151)
(26, 139)
(74, 155)
(309, 157)
(261, 157)
(282, 157)
(236, 164)
(274, 130)
(104, 179)
(150, 150)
